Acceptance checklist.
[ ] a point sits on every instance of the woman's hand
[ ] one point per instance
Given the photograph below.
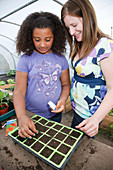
(26, 127)
(89, 126)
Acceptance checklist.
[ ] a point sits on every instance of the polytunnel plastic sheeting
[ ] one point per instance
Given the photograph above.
(4, 66)
(7, 61)
(8, 33)
(12, 15)
(11, 19)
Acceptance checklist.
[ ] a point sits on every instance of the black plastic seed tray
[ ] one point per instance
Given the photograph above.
(54, 143)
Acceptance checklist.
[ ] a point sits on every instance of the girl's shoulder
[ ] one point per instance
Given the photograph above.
(62, 60)
(25, 56)
(59, 57)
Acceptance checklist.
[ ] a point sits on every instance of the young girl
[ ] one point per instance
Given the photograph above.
(42, 73)
(92, 61)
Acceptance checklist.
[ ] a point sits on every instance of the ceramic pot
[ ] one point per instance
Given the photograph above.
(5, 110)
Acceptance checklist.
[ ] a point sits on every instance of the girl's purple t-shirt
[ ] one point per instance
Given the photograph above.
(44, 85)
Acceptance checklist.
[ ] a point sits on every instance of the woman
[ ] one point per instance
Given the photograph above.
(91, 53)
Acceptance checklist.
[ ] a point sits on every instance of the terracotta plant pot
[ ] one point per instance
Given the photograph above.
(5, 110)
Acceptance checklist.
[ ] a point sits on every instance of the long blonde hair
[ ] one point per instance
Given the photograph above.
(91, 32)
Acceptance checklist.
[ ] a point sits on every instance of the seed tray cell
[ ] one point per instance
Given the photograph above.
(54, 142)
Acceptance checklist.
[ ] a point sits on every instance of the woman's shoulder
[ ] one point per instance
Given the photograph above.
(105, 43)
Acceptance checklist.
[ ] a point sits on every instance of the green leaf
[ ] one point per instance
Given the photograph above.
(2, 83)
(110, 113)
(1, 94)
(11, 81)
(11, 73)
(4, 97)
(111, 126)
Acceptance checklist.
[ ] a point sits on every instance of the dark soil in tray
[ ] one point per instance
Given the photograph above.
(20, 138)
(37, 146)
(15, 133)
(46, 152)
(51, 132)
(43, 121)
(36, 118)
(37, 135)
(49, 124)
(66, 130)
(54, 143)
(45, 138)
(60, 136)
(58, 127)
(5, 78)
(70, 141)
(75, 134)
(41, 128)
(64, 149)
(57, 158)
(29, 142)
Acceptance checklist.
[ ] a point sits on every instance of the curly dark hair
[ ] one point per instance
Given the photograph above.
(24, 41)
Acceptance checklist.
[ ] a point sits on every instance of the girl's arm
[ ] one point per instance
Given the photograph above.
(90, 126)
(25, 123)
(65, 82)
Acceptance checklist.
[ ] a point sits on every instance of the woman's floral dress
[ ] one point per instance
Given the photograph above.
(88, 86)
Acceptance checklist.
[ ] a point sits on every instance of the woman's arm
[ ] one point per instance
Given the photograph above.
(25, 123)
(65, 82)
(90, 126)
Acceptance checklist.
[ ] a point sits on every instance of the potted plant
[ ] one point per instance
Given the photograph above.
(12, 73)
(4, 100)
(11, 81)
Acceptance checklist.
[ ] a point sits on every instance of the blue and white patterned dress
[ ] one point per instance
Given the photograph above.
(88, 86)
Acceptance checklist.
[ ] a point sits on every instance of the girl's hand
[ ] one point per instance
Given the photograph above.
(60, 106)
(26, 127)
(89, 126)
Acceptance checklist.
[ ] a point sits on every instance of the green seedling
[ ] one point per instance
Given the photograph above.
(2, 83)
(4, 98)
(11, 81)
(12, 73)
